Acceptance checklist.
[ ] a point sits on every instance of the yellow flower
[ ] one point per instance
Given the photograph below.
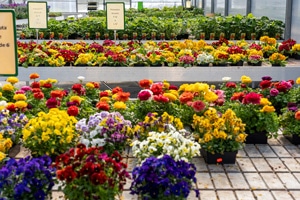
(19, 97)
(207, 137)
(210, 96)
(8, 87)
(2, 156)
(12, 80)
(76, 98)
(246, 79)
(21, 104)
(166, 84)
(170, 96)
(241, 137)
(267, 108)
(106, 99)
(119, 105)
(296, 48)
(277, 57)
(265, 101)
(298, 80)
(90, 85)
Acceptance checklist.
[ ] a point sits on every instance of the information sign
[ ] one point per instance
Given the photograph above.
(115, 15)
(37, 15)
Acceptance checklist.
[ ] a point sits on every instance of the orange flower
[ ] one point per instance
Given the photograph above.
(297, 115)
(116, 90)
(123, 96)
(145, 83)
(34, 76)
(186, 97)
(57, 94)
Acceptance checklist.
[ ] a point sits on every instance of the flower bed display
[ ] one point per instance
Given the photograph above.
(184, 53)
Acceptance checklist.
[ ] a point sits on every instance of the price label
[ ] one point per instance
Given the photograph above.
(8, 48)
(115, 15)
(37, 15)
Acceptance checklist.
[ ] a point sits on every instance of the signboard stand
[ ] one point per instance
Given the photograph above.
(8, 47)
(37, 16)
(115, 17)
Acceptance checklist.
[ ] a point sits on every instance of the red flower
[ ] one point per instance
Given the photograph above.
(35, 84)
(96, 84)
(145, 95)
(238, 96)
(173, 87)
(265, 84)
(99, 178)
(104, 94)
(161, 98)
(230, 85)
(252, 98)
(116, 90)
(198, 106)
(297, 115)
(73, 110)
(38, 95)
(69, 174)
(34, 76)
(52, 103)
(60, 174)
(102, 105)
(57, 94)
(11, 107)
(78, 89)
(34, 90)
(157, 88)
(47, 85)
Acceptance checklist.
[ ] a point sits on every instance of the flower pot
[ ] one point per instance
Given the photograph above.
(294, 138)
(255, 64)
(203, 65)
(226, 158)
(239, 63)
(220, 64)
(257, 138)
(276, 65)
(297, 56)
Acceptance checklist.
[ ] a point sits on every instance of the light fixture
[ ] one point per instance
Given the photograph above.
(188, 3)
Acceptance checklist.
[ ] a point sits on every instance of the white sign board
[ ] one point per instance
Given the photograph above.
(8, 48)
(115, 16)
(37, 15)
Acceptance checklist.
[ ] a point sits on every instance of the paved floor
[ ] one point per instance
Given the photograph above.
(262, 172)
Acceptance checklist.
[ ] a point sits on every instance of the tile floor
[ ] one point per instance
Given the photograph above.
(261, 172)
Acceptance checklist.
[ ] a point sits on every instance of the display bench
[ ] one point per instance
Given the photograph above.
(127, 74)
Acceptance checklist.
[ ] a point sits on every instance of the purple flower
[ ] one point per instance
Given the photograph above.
(292, 107)
(266, 78)
(274, 92)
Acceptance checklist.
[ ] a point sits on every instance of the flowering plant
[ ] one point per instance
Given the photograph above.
(256, 112)
(204, 58)
(50, 133)
(219, 133)
(290, 119)
(5, 145)
(277, 92)
(11, 125)
(27, 178)
(186, 60)
(179, 145)
(88, 172)
(296, 49)
(163, 178)
(278, 59)
(108, 130)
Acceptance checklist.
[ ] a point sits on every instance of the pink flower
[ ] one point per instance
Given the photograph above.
(198, 105)
(252, 98)
(145, 95)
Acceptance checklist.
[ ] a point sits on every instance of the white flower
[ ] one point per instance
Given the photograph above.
(226, 78)
(3, 103)
(80, 78)
(84, 141)
(98, 142)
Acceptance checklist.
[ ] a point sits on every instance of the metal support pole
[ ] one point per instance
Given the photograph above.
(203, 4)
(76, 6)
(226, 8)
(248, 7)
(288, 19)
(212, 6)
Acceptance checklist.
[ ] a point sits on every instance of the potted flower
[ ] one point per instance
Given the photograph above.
(186, 60)
(255, 55)
(5, 146)
(50, 133)
(179, 144)
(278, 59)
(290, 122)
(163, 178)
(257, 113)
(88, 172)
(220, 135)
(204, 59)
(108, 130)
(296, 51)
(27, 178)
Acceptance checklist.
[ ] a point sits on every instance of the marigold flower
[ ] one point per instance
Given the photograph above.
(116, 90)
(34, 76)
(12, 80)
(297, 115)
(186, 97)
(123, 96)
(119, 105)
